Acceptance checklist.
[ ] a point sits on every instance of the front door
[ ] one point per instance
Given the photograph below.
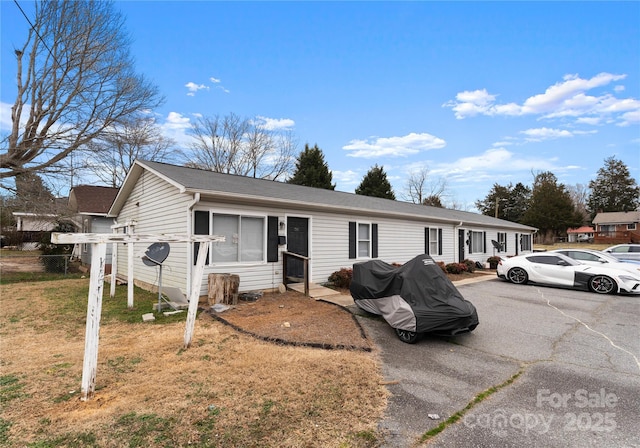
(297, 243)
(461, 245)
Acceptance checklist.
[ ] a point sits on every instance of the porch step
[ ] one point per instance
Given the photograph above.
(315, 291)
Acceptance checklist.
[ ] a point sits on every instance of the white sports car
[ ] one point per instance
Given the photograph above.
(601, 259)
(555, 269)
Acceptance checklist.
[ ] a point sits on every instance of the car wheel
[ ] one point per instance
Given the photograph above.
(602, 284)
(518, 276)
(407, 336)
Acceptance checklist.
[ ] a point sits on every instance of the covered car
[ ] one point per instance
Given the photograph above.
(415, 298)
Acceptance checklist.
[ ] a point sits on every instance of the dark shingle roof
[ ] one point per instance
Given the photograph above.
(245, 189)
(91, 199)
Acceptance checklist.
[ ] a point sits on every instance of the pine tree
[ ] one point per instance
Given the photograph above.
(376, 184)
(613, 190)
(312, 170)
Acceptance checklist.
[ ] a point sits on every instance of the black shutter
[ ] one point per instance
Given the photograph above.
(200, 227)
(352, 239)
(439, 241)
(374, 240)
(272, 239)
(426, 240)
(484, 242)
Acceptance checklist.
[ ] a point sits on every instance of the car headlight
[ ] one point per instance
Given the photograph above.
(629, 278)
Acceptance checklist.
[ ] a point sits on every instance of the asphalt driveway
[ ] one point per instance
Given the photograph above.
(555, 368)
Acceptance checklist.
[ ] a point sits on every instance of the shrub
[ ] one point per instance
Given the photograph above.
(341, 278)
(442, 266)
(471, 265)
(456, 268)
(493, 261)
(56, 255)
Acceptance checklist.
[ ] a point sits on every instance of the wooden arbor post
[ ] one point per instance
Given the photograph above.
(96, 285)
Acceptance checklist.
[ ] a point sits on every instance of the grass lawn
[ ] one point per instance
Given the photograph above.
(227, 390)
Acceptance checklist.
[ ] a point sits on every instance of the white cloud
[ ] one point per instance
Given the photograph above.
(347, 178)
(271, 124)
(175, 127)
(567, 98)
(540, 134)
(393, 146)
(193, 88)
(214, 80)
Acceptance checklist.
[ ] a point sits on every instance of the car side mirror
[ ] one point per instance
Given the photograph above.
(562, 263)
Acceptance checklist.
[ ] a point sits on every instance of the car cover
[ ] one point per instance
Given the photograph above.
(417, 296)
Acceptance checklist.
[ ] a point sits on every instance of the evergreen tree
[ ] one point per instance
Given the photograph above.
(551, 209)
(312, 170)
(433, 201)
(613, 190)
(506, 202)
(376, 184)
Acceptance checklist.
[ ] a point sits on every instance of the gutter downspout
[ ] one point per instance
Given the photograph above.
(193, 203)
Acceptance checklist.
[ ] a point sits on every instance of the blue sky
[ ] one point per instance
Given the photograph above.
(476, 93)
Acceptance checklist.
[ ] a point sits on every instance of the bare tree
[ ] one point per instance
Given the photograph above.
(236, 145)
(421, 190)
(112, 155)
(75, 79)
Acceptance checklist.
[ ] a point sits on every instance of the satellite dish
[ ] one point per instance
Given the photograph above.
(156, 254)
(496, 245)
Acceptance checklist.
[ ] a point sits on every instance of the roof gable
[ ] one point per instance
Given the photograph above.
(91, 199)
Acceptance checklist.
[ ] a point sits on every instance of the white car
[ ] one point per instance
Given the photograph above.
(624, 251)
(555, 269)
(598, 258)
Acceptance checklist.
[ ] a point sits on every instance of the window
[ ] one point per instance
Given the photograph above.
(502, 239)
(477, 242)
(631, 226)
(244, 236)
(433, 241)
(525, 242)
(363, 240)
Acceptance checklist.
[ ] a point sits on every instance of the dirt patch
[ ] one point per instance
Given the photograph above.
(295, 319)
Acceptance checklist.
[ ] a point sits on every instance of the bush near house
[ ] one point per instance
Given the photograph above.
(341, 278)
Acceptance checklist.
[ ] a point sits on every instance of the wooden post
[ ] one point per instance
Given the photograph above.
(94, 310)
(194, 297)
(114, 270)
(130, 275)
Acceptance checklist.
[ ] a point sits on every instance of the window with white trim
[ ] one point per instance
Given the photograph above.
(244, 236)
(364, 240)
(525, 242)
(502, 239)
(477, 242)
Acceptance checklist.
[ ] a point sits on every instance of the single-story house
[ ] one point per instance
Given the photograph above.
(580, 234)
(91, 204)
(31, 226)
(617, 227)
(261, 219)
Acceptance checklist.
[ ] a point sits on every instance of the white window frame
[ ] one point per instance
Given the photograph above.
(502, 239)
(360, 239)
(477, 242)
(525, 241)
(434, 242)
(237, 238)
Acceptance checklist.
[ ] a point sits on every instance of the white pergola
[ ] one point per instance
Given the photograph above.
(99, 243)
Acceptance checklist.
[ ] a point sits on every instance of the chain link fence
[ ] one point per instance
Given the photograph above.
(17, 262)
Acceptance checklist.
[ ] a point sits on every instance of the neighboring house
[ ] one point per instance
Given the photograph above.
(617, 227)
(32, 225)
(91, 204)
(580, 234)
(261, 218)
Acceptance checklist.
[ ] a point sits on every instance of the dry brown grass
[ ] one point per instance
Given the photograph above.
(227, 389)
